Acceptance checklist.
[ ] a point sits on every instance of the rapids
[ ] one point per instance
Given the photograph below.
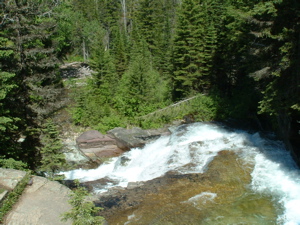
(271, 180)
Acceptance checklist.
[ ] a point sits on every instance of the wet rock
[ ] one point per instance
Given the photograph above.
(132, 185)
(94, 186)
(124, 160)
(190, 198)
(135, 137)
(93, 139)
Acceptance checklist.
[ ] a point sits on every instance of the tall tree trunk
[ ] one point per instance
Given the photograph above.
(124, 14)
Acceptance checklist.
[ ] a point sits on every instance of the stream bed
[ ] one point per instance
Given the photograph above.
(201, 174)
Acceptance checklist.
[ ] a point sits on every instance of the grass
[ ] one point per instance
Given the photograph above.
(2, 190)
(13, 197)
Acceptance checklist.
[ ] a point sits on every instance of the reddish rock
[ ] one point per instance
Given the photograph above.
(96, 145)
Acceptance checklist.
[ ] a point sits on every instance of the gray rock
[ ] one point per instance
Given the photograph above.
(9, 178)
(3, 195)
(42, 202)
(135, 137)
(74, 156)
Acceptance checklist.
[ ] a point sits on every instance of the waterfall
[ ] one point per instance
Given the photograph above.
(191, 148)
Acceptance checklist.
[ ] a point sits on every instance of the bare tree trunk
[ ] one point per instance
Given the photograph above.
(85, 51)
(124, 13)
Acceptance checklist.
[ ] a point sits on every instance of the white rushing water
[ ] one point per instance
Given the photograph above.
(189, 150)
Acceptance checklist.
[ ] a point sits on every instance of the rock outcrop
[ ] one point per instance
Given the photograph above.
(75, 70)
(96, 145)
(135, 137)
(9, 179)
(41, 203)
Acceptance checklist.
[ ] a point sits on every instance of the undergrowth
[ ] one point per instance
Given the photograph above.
(13, 196)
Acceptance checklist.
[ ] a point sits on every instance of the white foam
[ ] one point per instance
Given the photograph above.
(203, 197)
(274, 172)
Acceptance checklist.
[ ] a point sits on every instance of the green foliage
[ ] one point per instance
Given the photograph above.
(11, 163)
(13, 196)
(29, 72)
(141, 89)
(89, 106)
(201, 108)
(9, 118)
(155, 20)
(241, 105)
(6, 87)
(144, 53)
(83, 211)
(109, 122)
(279, 52)
(194, 48)
(53, 159)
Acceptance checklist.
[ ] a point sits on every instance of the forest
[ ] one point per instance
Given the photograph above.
(240, 58)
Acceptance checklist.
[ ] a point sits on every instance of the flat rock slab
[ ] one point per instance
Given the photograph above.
(95, 145)
(9, 178)
(41, 203)
(94, 139)
(3, 195)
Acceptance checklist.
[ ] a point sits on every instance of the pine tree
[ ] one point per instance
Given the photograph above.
(8, 120)
(83, 211)
(194, 48)
(276, 29)
(232, 52)
(29, 28)
(155, 21)
(141, 89)
(53, 160)
(120, 51)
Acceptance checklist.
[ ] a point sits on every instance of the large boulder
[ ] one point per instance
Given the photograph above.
(96, 145)
(74, 156)
(75, 70)
(9, 178)
(135, 137)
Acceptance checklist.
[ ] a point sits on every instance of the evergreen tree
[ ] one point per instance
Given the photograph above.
(29, 29)
(8, 119)
(231, 62)
(155, 21)
(106, 78)
(94, 101)
(83, 211)
(276, 29)
(194, 48)
(141, 89)
(120, 51)
(53, 159)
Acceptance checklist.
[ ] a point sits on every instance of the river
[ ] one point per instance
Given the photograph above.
(260, 185)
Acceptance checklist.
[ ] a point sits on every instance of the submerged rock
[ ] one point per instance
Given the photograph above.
(221, 192)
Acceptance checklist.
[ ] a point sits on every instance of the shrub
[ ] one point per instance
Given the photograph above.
(83, 211)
